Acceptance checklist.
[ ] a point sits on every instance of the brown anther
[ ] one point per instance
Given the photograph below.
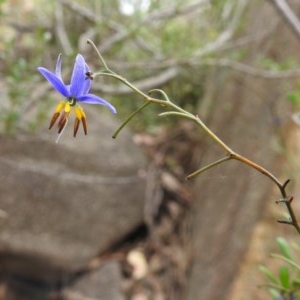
(53, 120)
(62, 122)
(62, 125)
(84, 125)
(62, 119)
(76, 126)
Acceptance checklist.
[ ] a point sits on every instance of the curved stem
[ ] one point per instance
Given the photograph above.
(257, 167)
(99, 54)
(209, 166)
(129, 118)
(213, 135)
(123, 80)
(178, 111)
(289, 261)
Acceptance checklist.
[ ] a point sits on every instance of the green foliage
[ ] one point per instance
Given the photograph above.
(176, 38)
(274, 65)
(153, 40)
(285, 283)
(16, 92)
(20, 82)
(139, 55)
(20, 54)
(1, 9)
(293, 96)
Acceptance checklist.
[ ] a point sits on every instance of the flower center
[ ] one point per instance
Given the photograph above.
(72, 101)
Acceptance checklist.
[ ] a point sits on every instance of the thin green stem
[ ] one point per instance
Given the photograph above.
(123, 80)
(276, 286)
(209, 166)
(183, 113)
(213, 135)
(161, 92)
(291, 262)
(178, 111)
(129, 119)
(99, 54)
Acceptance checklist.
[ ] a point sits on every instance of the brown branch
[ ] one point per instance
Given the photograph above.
(168, 12)
(281, 186)
(233, 155)
(91, 15)
(288, 15)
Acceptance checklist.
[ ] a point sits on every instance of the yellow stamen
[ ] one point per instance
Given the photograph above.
(79, 112)
(67, 107)
(62, 112)
(83, 113)
(80, 117)
(60, 107)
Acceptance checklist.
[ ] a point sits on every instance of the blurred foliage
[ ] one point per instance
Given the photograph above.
(293, 96)
(155, 36)
(139, 39)
(285, 283)
(274, 65)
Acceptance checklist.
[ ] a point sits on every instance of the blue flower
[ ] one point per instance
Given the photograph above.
(76, 91)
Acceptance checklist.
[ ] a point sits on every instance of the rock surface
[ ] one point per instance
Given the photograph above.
(67, 202)
(103, 283)
(235, 199)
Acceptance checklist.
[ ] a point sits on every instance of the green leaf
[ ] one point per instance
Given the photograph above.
(293, 98)
(289, 261)
(284, 276)
(284, 248)
(269, 274)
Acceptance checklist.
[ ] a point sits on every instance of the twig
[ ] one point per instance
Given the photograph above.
(166, 13)
(226, 35)
(143, 84)
(207, 167)
(60, 29)
(175, 110)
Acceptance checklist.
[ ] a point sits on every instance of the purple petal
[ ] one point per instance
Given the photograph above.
(88, 81)
(93, 99)
(55, 81)
(58, 67)
(78, 77)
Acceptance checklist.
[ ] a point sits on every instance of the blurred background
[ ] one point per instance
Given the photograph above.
(235, 63)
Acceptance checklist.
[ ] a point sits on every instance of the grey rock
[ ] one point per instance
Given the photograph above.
(103, 283)
(67, 202)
